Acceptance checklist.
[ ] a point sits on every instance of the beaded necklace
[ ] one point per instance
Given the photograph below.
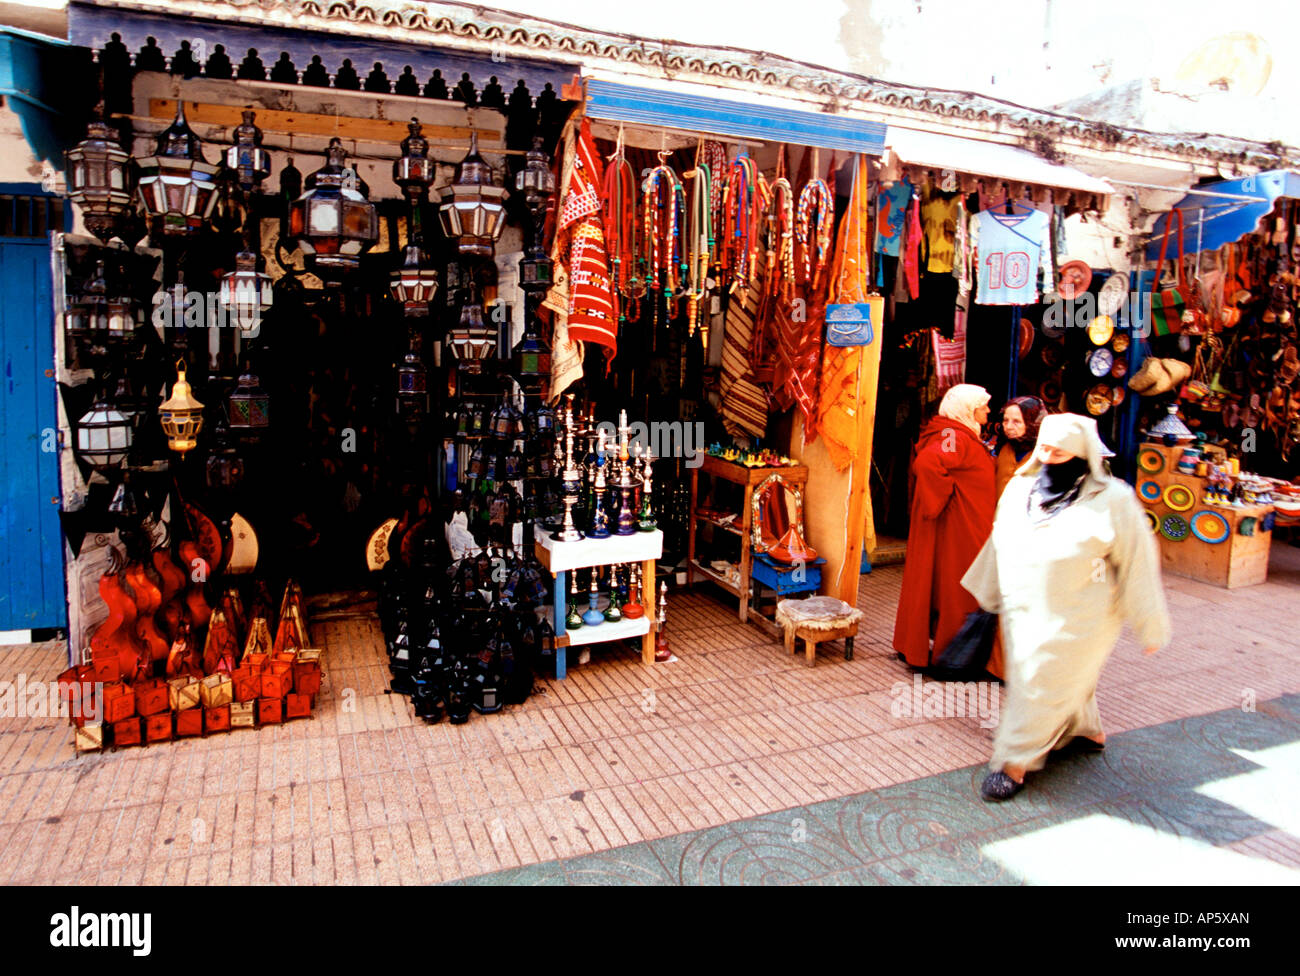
(815, 196)
(618, 203)
(738, 212)
(663, 198)
(781, 239)
(701, 245)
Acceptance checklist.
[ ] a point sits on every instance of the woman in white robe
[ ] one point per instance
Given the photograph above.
(1070, 561)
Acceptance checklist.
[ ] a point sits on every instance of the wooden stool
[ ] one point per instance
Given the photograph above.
(816, 619)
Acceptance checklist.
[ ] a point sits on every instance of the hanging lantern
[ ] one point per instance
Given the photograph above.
(246, 159)
(121, 317)
(249, 405)
(87, 315)
(472, 341)
(473, 206)
(246, 294)
(224, 469)
(181, 415)
(415, 282)
(333, 222)
(99, 181)
(412, 382)
(532, 357)
(178, 187)
(414, 171)
(104, 436)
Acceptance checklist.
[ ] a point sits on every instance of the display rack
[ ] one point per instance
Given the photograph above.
(560, 558)
(795, 474)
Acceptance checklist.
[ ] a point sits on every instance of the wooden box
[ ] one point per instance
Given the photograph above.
(158, 727)
(297, 705)
(256, 661)
(183, 692)
(89, 737)
(151, 697)
(106, 668)
(77, 695)
(246, 684)
(189, 722)
(119, 703)
(216, 690)
(307, 672)
(270, 711)
(216, 718)
(243, 715)
(277, 680)
(128, 732)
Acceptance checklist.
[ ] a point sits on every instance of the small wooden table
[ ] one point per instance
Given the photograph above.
(795, 474)
(817, 619)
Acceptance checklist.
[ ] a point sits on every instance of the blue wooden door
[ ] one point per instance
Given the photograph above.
(31, 546)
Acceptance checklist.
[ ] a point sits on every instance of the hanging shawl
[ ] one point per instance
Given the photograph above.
(591, 316)
(744, 404)
(566, 354)
(842, 392)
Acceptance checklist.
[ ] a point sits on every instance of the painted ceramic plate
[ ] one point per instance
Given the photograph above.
(1149, 491)
(1119, 370)
(1073, 279)
(1119, 342)
(1153, 523)
(1101, 329)
(1179, 497)
(1150, 460)
(1210, 527)
(1174, 528)
(1100, 361)
(1111, 296)
(1049, 391)
(1051, 355)
(1097, 399)
(1247, 526)
(1117, 395)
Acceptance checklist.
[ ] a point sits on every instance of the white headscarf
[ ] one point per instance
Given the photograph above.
(960, 404)
(1076, 434)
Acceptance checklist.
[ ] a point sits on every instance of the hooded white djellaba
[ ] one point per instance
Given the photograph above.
(1064, 586)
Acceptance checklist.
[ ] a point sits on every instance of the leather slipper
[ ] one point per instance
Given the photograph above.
(999, 786)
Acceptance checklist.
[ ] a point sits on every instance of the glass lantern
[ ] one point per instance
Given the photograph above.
(246, 294)
(415, 282)
(333, 222)
(246, 159)
(177, 187)
(412, 383)
(414, 171)
(224, 469)
(472, 341)
(87, 315)
(181, 415)
(99, 180)
(473, 206)
(249, 405)
(104, 436)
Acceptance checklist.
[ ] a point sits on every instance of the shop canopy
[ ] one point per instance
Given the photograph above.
(722, 112)
(1222, 213)
(990, 159)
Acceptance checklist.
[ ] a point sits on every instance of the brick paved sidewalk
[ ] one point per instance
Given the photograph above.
(616, 755)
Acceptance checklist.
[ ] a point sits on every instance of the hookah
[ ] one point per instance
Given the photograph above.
(626, 521)
(572, 480)
(572, 618)
(646, 517)
(593, 616)
(662, 653)
(632, 608)
(599, 516)
(612, 612)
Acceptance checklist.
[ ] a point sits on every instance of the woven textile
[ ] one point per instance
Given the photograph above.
(591, 315)
(744, 402)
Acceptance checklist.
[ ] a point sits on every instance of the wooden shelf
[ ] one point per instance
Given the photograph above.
(608, 631)
(725, 526)
(710, 573)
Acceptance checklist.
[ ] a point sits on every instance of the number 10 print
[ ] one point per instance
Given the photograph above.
(1008, 270)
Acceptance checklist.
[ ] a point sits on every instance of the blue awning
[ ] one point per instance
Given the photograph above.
(739, 117)
(31, 66)
(1211, 221)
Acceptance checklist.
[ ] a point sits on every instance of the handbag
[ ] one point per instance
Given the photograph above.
(849, 325)
(967, 654)
(1167, 305)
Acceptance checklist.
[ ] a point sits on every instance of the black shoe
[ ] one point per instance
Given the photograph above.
(999, 786)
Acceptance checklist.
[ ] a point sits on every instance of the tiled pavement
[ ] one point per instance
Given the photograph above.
(716, 753)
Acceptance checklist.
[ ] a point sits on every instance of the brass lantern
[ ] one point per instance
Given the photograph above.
(414, 171)
(472, 341)
(181, 415)
(177, 187)
(412, 382)
(415, 282)
(473, 207)
(104, 436)
(333, 222)
(246, 159)
(249, 404)
(246, 294)
(99, 180)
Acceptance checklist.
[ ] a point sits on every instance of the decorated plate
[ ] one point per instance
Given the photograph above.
(1049, 391)
(1266, 523)
(1149, 491)
(1100, 361)
(1179, 497)
(1117, 395)
(1111, 295)
(1210, 527)
(1119, 342)
(1051, 355)
(1247, 526)
(1174, 528)
(1097, 399)
(1119, 369)
(1073, 279)
(1153, 523)
(1101, 329)
(1151, 461)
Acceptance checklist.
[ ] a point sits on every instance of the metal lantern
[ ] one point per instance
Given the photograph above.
(249, 405)
(532, 357)
(333, 222)
(472, 341)
(99, 180)
(87, 315)
(246, 159)
(415, 282)
(246, 294)
(224, 469)
(181, 415)
(178, 187)
(121, 317)
(412, 382)
(414, 171)
(536, 181)
(104, 436)
(473, 206)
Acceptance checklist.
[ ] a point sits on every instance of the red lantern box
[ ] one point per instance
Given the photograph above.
(277, 680)
(257, 661)
(297, 706)
(158, 727)
(119, 704)
(270, 711)
(106, 668)
(216, 719)
(247, 683)
(189, 721)
(243, 715)
(151, 697)
(307, 672)
(128, 732)
(77, 694)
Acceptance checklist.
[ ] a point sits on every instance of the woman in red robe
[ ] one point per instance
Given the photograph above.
(952, 514)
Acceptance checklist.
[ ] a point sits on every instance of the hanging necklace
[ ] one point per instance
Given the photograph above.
(737, 205)
(662, 195)
(701, 245)
(618, 203)
(815, 196)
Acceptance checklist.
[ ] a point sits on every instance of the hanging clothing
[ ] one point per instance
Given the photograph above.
(1064, 586)
(950, 354)
(591, 316)
(939, 215)
(891, 211)
(1011, 250)
(952, 513)
(566, 353)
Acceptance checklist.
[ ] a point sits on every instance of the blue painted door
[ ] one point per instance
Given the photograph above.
(31, 546)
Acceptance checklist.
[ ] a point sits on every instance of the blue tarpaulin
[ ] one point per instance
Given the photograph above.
(1209, 221)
